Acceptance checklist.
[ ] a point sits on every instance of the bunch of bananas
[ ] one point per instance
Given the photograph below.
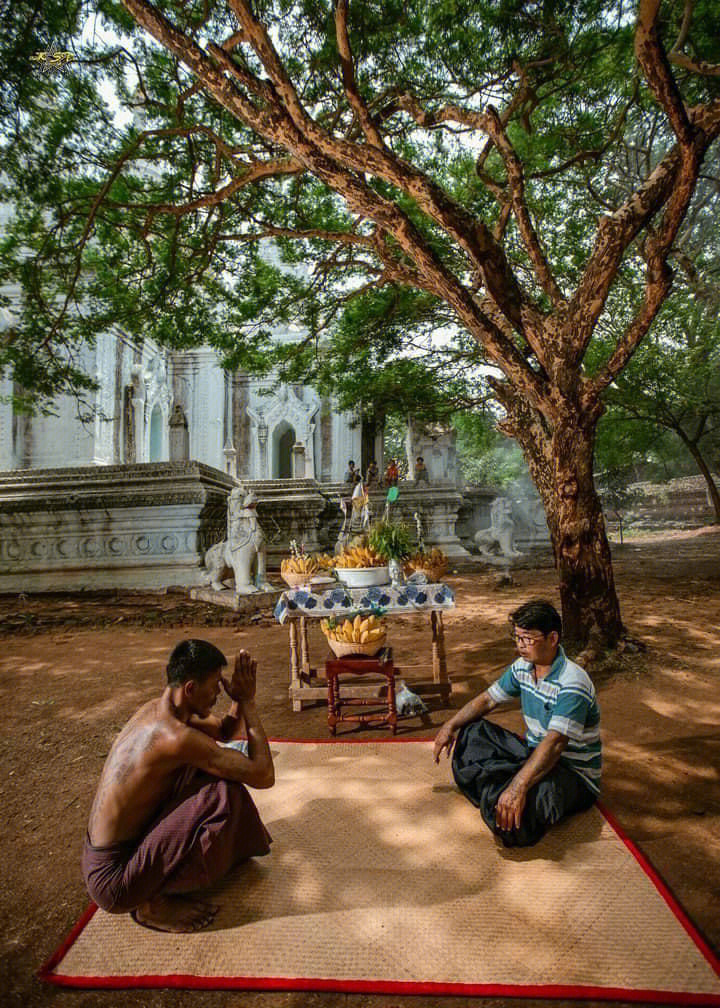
(361, 630)
(359, 556)
(434, 561)
(299, 564)
(325, 561)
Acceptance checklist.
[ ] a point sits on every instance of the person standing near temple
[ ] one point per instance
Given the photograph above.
(372, 477)
(392, 473)
(351, 473)
(421, 473)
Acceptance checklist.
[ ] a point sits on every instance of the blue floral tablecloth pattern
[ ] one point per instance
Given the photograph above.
(338, 601)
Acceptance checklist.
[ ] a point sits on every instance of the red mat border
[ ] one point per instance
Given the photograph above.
(574, 992)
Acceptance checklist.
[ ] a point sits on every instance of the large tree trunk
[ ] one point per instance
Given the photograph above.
(561, 465)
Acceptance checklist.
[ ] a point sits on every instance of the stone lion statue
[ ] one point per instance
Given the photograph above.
(243, 553)
(498, 541)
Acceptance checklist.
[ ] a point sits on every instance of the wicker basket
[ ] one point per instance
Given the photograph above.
(341, 649)
(293, 580)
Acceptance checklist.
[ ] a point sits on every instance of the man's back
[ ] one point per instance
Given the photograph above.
(139, 774)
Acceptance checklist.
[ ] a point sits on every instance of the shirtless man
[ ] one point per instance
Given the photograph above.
(172, 814)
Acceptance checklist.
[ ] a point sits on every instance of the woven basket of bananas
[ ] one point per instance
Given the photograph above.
(362, 635)
(433, 564)
(297, 570)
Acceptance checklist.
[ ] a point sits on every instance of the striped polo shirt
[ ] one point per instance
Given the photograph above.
(564, 701)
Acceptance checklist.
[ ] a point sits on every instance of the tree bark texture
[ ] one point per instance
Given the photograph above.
(560, 459)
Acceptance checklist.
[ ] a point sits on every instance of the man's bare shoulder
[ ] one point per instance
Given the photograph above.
(152, 730)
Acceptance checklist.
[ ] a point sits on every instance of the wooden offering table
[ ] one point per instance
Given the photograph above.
(297, 606)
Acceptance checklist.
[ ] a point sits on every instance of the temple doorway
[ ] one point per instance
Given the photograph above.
(284, 440)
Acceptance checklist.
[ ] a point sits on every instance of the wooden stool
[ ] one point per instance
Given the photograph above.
(359, 665)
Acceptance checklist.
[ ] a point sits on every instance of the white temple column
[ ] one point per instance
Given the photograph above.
(6, 425)
(137, 401)
(262, 436)
(179, 439)
(298, 460)
(310, 452)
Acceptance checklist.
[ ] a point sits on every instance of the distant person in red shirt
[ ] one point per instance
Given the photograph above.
(392, 473)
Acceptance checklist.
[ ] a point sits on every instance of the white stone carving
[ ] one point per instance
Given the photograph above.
(497, 543)
(243, 552)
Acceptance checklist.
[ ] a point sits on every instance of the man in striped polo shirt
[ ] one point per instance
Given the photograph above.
(523, 787)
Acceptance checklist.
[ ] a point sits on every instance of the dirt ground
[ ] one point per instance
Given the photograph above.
(73, 668)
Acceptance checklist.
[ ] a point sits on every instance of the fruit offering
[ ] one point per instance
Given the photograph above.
(432, 562)
(359, 556)
(360, 630)
(301, 564)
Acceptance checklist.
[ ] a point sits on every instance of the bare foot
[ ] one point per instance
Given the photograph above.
(175, 913)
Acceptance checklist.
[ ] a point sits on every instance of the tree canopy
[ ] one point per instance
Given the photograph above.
(449, 188)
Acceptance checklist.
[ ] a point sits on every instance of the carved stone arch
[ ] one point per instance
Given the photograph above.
(298, 414)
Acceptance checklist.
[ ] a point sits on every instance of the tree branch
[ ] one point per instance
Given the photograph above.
(473, 236)
(671, 182)
(700, 67)
(679, 58)
(527, 230)
(653, 61)
(348, 71)
(341, 166)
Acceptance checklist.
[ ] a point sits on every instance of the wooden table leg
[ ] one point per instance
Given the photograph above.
(304, 651)
(332, 716)
(295, 683)
(440, 674)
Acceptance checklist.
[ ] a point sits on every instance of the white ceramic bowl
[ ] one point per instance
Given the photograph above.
(362, 577)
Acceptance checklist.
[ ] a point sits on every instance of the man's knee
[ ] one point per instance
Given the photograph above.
(550, 802)
(112, 902)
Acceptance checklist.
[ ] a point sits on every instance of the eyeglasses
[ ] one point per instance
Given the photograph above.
(524, 640)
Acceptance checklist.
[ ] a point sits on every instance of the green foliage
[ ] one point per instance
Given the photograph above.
(395, 439)
(390, 539)
(663, 412)
(484, 455)
(108, 231)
